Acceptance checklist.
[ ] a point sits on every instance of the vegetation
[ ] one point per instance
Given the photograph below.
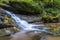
(47, 8)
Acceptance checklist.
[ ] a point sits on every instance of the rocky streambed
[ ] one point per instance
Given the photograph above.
(7, 23)
(8, 27)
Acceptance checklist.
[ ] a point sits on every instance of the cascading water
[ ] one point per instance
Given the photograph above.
(21, 23)
(24, 25)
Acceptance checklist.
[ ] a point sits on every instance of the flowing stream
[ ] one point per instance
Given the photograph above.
(24, 25)
(21, 23)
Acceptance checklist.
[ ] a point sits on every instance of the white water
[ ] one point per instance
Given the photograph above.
(24, 25)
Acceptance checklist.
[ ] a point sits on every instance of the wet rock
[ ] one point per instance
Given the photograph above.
(6, 20)
(2, 25)
(7, 23)
(31, 18)
(26, 35)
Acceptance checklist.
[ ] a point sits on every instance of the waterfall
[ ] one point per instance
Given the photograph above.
(21, 23)
(24, 25)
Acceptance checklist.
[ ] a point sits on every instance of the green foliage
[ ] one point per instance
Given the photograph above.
(48, 0)
(52, 11)
(29, 5)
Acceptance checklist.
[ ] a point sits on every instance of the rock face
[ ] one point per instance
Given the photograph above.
(30, 18)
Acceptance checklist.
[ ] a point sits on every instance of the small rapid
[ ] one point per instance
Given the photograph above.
(21, 23)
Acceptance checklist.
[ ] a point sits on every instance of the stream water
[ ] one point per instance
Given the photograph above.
(25, 26)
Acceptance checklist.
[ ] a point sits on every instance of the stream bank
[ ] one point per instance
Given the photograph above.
(31, 19)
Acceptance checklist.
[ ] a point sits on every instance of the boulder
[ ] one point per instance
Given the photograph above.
(26, 35)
